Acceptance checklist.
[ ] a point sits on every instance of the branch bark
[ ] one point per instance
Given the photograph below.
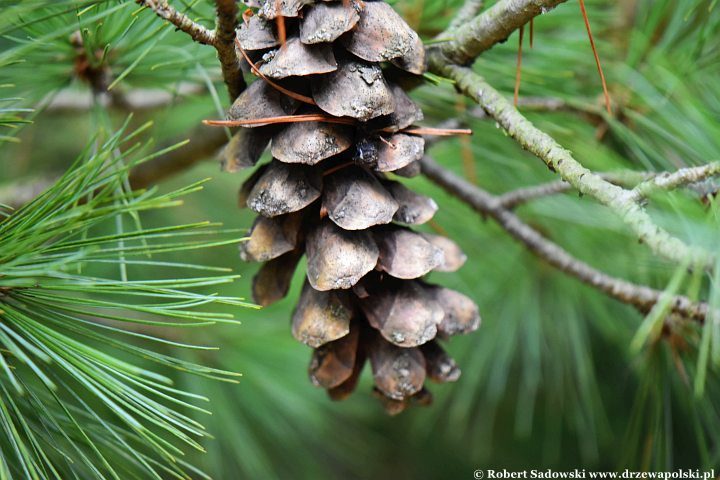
(181, 21)
(71, 100)
(222, 38)
(644, 183)
(204, 143)
(640, 296)
(227, 22)
(520, 196)
(680, 178)
(465, 13)
(489, 28)
(620, 201)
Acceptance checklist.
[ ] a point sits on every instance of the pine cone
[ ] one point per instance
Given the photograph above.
(326, 194)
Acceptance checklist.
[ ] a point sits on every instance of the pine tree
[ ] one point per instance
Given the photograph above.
(589, 228)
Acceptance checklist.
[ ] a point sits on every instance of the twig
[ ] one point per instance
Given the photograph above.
(640, 296)
(465, 13)
(546, 104)
(133, 100)
(515, 198)
(492, 26)
(434, 131)
(222, 38)
(227, 22)
(305, 117)
(543, 146)
(204, 143)
(680, 178)
(606, 94)
(18, 194)
(532, 33)
(645, 183)
(183, 23)
(520, 196)
(518, 66)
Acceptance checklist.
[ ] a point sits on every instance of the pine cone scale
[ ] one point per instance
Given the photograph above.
(355, 200)
(298, 59)
(310, 142)
(325, 22)
(285, 188)
(321, 317)
(356, 89)
(338, 259)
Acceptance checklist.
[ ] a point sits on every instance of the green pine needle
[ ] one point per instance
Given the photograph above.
(66, 326)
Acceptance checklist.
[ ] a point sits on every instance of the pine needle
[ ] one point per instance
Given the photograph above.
(606, 94)
(60, 326)
(518, 68)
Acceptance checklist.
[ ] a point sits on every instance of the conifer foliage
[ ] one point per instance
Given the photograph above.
(589, 218)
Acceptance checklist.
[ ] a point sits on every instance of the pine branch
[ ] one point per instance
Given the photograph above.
(622, 202)
(183, 23)
(70, 100)
(492, 26)
(680, 178)
(203, 143)
(222, 38)
(640, 296)
(71, 372)
(552, 104)
(644, 183)
(465, 13)
(227, 13)
(523, 195)
(520, 196)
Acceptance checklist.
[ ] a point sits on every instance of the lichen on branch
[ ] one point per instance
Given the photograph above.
(492, 26)
(640, 296)
(181, 21)
(621, 201)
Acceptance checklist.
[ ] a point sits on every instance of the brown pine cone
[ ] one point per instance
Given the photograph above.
(326, 194)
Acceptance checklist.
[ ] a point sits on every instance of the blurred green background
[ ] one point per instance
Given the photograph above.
(549, 380)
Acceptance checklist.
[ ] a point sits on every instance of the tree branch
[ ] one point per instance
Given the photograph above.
(222, 38)
(183, 23)
(492, 26)
(640, 296)
(227, 22)
(521, 196)
(17, 194)
(680, 178)
(72, 100)
(515, 198)
(540, 144)
(644, 183)
(465, 13)
(204, 143)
